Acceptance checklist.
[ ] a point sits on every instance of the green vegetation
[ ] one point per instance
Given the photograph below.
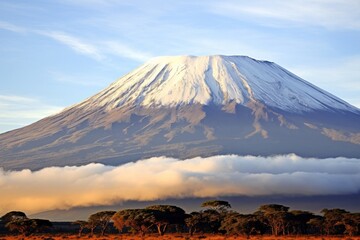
(217, 218)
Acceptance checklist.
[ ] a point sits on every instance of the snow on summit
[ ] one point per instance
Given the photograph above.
(181, 80)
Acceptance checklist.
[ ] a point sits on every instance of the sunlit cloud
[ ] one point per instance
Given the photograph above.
(162, 178)
(18, 111)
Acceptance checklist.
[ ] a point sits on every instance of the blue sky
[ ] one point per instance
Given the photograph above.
(56, 53)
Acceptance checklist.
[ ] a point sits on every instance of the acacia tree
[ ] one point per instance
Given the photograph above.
(212, 219)
(101, 219)
(218, 205)
(28, 226)
(297, 221)
(13, 215)
(316, 224)
(82, 225)
(139, 220)
(215, 212)
(236, 223)
(275, 216)
(351, 222)
(195, 221)
(332, 218)
(164, 215)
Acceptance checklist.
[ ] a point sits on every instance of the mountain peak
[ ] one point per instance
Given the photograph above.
(218, 79)
(253, 107)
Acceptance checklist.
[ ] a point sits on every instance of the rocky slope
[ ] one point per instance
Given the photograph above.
(188, 106)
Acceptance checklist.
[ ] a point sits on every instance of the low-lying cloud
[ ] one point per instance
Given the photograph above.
(162, 177)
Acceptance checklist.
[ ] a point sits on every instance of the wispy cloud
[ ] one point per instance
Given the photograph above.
(97, 50)
(81, 80)
(161, 178)
(11, 27)
(122, 50)
(18, 111)
(331, 14)
(76, 44)
(89, 3)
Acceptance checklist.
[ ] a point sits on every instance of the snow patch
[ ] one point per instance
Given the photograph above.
(181, 80)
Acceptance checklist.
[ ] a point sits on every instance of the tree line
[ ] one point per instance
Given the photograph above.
(216, 217)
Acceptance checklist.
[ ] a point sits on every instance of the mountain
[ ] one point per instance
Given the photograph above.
(188, 106)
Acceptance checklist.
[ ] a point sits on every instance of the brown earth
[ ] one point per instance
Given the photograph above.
(172, 236)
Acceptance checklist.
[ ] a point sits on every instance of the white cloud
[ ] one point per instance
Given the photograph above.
(11, 27)
(82, 80)
(97, 51)
(161, 178)
(18, 111)
(119, 49)
(76, 44)
(331, 14)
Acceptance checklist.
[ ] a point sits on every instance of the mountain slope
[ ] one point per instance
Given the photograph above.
(188, 106)
(173, 81)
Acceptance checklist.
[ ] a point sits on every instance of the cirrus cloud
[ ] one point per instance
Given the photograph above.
(162, 177)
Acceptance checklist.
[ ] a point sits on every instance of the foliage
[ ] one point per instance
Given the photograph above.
(332, 218)
(165, 215)
(237, 224)
(195, 222)
(275, 216)
(269, 219)
(139, 220)
(13, 215)
(82, 225)
(101, 219)
(217, 205)
(28, 226)
(297, 222)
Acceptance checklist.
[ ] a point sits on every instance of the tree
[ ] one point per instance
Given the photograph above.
(13, 215)
(82, 225)
(28, 226)
(297, 221)
(194, 221)
(316, 224)
(139, 220)
(92, 225)
(41, 224)
(332, 218)
(218, 205)
(101, 219)
(276, 216)
(165, 215)
(351, 222)
(236, 223)
(212, 219)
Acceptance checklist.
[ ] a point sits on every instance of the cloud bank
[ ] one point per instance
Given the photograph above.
(162, 177)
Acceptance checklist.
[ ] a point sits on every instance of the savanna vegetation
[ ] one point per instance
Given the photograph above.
(215, 219)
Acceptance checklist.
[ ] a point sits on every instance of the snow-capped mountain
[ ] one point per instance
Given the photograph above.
(186, 106)
(182, 80)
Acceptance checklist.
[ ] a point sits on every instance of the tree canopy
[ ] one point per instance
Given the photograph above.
(13, 215)
(218, 205)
